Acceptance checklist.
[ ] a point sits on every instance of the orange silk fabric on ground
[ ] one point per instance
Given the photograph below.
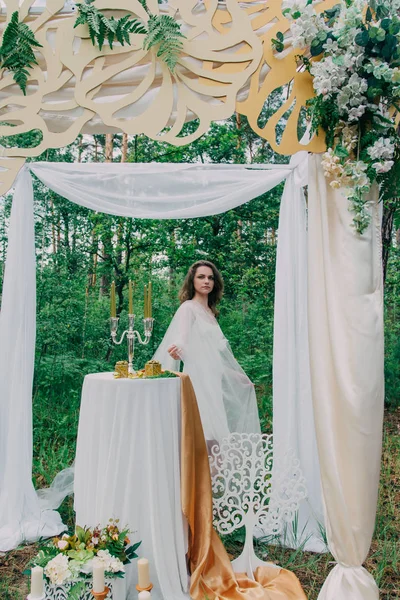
(211, 572)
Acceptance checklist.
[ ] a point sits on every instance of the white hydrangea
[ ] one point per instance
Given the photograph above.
(383, 166)
(350, 17)
(329, 77)
(353, 57)
(356, 171)
(331, 46)
(57, 569)
(307, 26)
(352, 94)
(110, 563)
(380, 69)
(382, 149)
(356, 112)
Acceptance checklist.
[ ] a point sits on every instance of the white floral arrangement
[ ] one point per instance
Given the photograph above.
(353, 53)
(71, 558)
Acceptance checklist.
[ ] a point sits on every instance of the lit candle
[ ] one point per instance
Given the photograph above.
(130, 298)
(149, 292)
(145, 302)
(145, 595)
(98, 577)
(37, 587)
(112, 300)
(143, 573)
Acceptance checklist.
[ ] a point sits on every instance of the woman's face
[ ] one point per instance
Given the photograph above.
(203, 281)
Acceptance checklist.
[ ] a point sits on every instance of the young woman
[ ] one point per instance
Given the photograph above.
(225, 395)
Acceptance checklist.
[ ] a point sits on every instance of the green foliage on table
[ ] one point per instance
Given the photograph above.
(17, 50)
(163, 375)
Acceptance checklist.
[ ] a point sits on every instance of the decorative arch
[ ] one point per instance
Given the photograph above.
(227, 65)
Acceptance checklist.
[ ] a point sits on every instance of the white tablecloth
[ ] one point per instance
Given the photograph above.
(128, 467)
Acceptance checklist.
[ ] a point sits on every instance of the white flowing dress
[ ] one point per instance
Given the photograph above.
(225, 395)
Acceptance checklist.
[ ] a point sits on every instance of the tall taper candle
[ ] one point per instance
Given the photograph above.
(143, 573)
(130, 298)
(98, 578)
(112, 300)
(37, 585)
(145, 302)
(150, 290)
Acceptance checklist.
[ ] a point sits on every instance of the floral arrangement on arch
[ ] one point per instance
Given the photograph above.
(71, 557)
(353, 53)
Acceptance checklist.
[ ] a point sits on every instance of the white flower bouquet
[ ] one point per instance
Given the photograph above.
(70, 559)
(353, 53)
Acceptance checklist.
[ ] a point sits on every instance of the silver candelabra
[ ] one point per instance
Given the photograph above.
(131, 333)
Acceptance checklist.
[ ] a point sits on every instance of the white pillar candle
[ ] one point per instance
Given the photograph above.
(144, 595)
(98, 578)
(143, 573)
(37, 587)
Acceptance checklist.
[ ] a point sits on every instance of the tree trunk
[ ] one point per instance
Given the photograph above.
(80, 148)
(109, 147)
(124, 148)
(238, 126)
(53, 229)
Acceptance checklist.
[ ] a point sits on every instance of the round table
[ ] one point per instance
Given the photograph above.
(127, 467)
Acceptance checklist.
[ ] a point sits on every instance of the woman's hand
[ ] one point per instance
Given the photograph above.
(175, 352)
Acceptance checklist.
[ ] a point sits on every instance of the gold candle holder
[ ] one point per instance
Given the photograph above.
(146, 589)
(101, 595)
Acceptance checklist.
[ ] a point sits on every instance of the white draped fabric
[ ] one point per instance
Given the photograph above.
(20, 515)
(344, 324)
(346, 351)
(225, 395)
(134, 473)
(149, 191)
(293, 418)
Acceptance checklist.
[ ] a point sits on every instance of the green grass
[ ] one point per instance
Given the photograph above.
(54, 448)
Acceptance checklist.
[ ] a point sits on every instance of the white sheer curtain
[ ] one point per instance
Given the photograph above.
(157, 191)
(293, 418)
(20, 516)
(346, 352)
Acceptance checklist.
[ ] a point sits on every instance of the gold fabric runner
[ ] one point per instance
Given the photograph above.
(211, 572)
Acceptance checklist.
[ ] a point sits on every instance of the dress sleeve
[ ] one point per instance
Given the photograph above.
(178, 333)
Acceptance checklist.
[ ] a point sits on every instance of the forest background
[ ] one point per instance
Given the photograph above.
(80, 252)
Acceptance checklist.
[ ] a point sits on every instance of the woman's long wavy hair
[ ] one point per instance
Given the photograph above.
(187, 291)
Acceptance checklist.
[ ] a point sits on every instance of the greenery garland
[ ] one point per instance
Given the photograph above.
(160, 31)
(17, 50)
